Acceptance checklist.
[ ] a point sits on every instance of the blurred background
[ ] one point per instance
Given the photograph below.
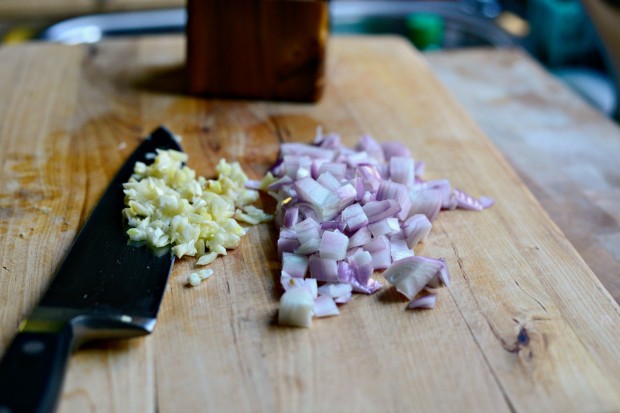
(563, 35)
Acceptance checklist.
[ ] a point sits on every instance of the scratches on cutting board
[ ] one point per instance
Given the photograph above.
(532, 297)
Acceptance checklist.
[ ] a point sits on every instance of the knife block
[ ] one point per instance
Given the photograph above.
(257, 49)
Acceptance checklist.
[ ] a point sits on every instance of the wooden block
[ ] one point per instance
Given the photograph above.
(265, 49)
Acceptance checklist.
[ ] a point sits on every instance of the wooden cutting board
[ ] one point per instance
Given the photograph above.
(564, 149)
(525, 325)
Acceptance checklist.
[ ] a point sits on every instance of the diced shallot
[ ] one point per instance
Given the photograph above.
(325, 306)
(465, 201)
(425, 201)
(378, 210)
(323, 269)
(346, 195)
(296, 308)
(307, 230)
(427, 301)
(369, 145)
(340, 292)
(394, 149)
(331, 225)
(410, 275)
(287, 245)
(379, 249)
(399, 248)
(398, 192)
(316, 194)
(334, 245)
(345, 213)
(294, 265)
(416, 228)
(384, 227)
(402, 170)
(361, 264)
(355, 217)
(306, 150)
(371, 287)
(309, 284)
(309, 247)
(336, 169)
(291, 217)
(329, 181)
(361, 237)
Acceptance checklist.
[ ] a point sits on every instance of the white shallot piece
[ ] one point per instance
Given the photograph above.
(426, 301)
(296, 308)
(345, 213)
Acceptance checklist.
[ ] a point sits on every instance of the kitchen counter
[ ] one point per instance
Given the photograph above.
(61, 9)
(524, 326)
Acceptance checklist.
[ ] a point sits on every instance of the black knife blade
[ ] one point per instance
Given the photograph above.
(105, 288)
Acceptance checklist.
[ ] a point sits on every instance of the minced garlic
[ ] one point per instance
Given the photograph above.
(168, 205)
(196, 277)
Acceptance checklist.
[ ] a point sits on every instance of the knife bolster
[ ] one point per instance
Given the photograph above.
(87, 325)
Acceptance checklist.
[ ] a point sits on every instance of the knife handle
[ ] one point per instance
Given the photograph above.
(32, 371)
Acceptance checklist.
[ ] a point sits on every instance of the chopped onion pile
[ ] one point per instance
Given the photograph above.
(345, 213)
(168, 205)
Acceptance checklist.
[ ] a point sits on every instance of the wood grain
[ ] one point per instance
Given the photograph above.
(564, 150)
(268, 49)
(526, 325)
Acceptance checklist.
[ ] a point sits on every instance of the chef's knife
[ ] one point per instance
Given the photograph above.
(105, 288)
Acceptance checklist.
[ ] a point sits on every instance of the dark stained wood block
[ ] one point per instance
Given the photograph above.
(263, 49)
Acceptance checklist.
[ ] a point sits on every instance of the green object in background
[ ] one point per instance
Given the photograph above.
(562, 33)
(18, 35)
(426, 30)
